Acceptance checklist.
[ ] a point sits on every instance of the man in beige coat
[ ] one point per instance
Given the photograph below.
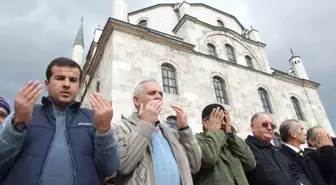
(152, 153)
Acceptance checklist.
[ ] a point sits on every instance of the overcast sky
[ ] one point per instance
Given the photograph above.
(34, 32)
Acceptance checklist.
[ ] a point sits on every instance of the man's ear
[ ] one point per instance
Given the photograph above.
(292, 134)
(46, 83)
(252, 126)
(311, 142)
(136, 101)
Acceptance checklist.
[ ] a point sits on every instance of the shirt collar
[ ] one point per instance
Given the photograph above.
(297, 150)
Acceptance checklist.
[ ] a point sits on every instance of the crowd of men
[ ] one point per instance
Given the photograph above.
(58, 142)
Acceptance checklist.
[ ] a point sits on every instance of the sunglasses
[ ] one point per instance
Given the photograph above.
(266, 125)
(3, 114)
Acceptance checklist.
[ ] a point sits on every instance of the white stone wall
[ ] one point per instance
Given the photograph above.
(132, 60)
(162, 19)
(209, 16)
(200, 36)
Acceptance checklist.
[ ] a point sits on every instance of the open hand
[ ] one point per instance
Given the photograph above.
(151, 111)
(215, 119)
(25, 100)
(103, 112)
(226, 125)
(181, 117)
(323, 139)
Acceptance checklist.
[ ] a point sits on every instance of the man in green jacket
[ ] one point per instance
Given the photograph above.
(225, 156)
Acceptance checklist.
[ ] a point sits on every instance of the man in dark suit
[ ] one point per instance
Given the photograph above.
(293, 136)
(272, 168)
(323, 152)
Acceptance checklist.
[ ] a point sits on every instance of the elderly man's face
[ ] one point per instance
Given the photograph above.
(263, 128)
(3, 114)
(150, 91)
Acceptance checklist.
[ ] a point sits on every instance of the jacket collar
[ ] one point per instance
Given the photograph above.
(135, 118)
(293, 148)
(255, 141)
(47, 103)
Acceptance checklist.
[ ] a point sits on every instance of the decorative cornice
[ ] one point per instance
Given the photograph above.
(215, 28)
(292, 79)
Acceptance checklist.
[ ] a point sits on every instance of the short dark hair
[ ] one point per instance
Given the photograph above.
(285, 128)
(63, 62)
(208, 109)
(311, 135)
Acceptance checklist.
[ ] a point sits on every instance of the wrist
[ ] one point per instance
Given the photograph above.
(19, 126)
(101, 131)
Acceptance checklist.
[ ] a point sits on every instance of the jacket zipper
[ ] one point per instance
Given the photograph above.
(72, 158)
(45, 158)
(53, 138)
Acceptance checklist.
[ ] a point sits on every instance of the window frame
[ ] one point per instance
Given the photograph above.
(169, 79)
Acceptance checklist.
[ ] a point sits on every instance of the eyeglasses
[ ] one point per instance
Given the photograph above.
(3, 114)
(266, 125)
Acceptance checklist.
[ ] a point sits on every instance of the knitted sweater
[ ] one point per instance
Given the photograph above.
(136, 161)
(225, 159)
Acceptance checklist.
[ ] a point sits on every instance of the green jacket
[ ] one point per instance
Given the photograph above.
(225, 159)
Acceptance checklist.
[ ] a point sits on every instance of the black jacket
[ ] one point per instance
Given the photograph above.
(273, 168)
(325, 159)
(304, 164)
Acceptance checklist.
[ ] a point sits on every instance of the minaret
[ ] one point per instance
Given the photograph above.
(297, 66)
(119, 10)
(78, 46)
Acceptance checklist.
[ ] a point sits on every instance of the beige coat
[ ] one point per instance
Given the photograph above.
(134, 143)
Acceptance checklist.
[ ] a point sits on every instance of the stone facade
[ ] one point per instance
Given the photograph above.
(127, 54)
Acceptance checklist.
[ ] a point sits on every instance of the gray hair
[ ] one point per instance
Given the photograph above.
(286, 128)
(311, 135)
(256, 116)
(138, 89)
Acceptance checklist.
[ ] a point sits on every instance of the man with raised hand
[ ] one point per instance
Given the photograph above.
(225, 156)
(58, 142)
(150, 151)
(322, 150)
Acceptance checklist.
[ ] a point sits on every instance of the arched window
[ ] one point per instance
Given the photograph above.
(143, 23)
(212, 50)
(171, 121)
(297, 108)
(220, 90)
(169, 79)
(264, 98)
(249, 61)
(230, 53)
(220, 23)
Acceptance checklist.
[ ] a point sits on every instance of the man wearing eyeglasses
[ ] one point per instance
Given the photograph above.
(293, 134)
(4, 110)
(272, 168)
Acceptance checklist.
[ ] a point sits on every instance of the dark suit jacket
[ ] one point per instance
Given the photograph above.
(325, 160)
(273, 168)
(304, 164)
